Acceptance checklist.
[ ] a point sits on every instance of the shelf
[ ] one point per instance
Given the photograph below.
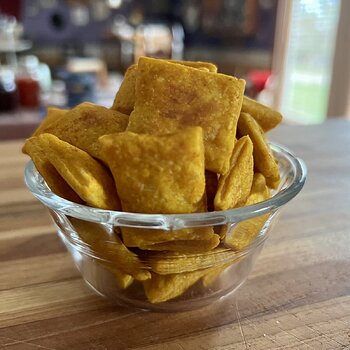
(18, 46)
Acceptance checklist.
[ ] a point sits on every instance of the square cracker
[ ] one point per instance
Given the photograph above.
(264, 161)
(124, 101)
(95, 236)
(165, 263)
(234, 187)
(53, 114)
(171, 96)
(84, 124)
(34, 147)
(265, 116)
(157, 174)
(161, 288)
(84, 174)
(110, 248)
(198, 240)
(210, 67)
(245, 231)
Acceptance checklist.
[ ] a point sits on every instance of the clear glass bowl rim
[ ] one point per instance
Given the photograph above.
(41, 191)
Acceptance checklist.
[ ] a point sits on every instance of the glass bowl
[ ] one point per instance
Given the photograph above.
(179, 280)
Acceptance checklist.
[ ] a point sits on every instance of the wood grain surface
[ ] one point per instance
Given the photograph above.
(297, 297)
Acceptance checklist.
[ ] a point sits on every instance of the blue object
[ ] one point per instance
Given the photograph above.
(80, 88)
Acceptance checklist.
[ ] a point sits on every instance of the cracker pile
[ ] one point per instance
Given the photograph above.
(179, 138)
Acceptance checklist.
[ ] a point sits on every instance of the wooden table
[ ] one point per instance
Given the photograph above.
(297, 297)
(18, 124)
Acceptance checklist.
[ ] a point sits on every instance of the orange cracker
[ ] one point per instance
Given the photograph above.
(210, 67)
(53, 114)
(157, 174)
(34, 148)
(161, 288)
(245, 231)
(265, 116)
(110, 248)
(209, 278)
(259, 191)
(123, 279)
(89, 179)
(171, 96)
(124, 101)
(84, 124)
(174, 262)
(186, 246)
(264, 161)
(94, 235)
(234, 187)
(156, 239)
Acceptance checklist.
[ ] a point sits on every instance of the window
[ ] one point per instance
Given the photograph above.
(308, 66)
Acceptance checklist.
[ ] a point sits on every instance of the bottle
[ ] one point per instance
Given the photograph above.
(28, 82)
(8, 91)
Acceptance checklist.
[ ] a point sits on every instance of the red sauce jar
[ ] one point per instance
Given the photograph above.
(29, 92)
(28, 82)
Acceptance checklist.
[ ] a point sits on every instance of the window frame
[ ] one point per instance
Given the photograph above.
(338, 104)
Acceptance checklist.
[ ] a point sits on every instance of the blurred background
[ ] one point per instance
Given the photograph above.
(294, 55)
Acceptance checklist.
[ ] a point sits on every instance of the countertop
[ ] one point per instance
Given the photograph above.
(297, 296)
